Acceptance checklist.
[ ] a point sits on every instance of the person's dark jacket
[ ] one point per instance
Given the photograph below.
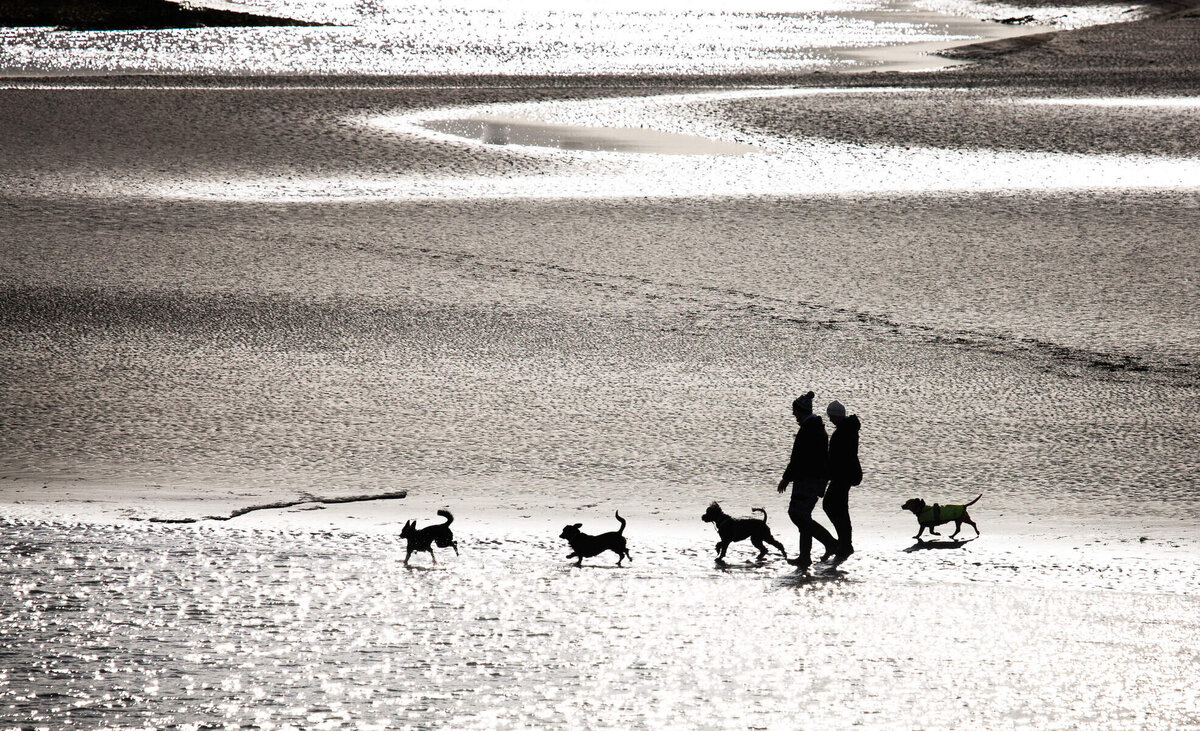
(844, 467)
(809, 453)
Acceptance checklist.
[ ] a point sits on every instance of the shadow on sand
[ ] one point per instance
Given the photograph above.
(749, 565)
(921, 545)
(816, 574)
(819, 573)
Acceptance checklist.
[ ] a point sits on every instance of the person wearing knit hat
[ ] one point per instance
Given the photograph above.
(845, 471)
(807, 472)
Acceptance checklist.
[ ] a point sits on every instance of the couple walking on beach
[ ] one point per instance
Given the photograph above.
(822, 467)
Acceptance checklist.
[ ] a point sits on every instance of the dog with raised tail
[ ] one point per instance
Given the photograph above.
(929, 516)
(585, 546)
(732, 529)
(426, 538)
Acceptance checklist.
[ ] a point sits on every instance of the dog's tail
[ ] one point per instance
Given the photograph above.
(446, 514)
(760, 510)
(622, 528)
(973, 501)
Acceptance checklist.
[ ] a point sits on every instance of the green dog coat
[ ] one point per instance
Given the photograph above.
(934, 514)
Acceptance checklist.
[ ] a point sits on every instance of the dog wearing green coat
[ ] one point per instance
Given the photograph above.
(929, 516)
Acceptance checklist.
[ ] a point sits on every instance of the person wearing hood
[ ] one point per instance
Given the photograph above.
(807, 472)
(845, 471)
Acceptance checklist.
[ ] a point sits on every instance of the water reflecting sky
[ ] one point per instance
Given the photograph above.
(528, 38)
(595, 137)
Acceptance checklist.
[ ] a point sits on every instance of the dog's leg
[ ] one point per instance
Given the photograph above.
(762, 550)
(431, 556)
(967, 519)
(722, 547)
(957, 528)
(454, 544)
(922, 530)
(771, 539)
(407, 554)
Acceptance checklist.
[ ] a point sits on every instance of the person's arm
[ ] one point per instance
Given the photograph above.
(789, 471)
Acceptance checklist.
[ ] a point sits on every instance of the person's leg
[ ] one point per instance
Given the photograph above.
(818, 531)
(837, 506)
(846, 545)
(800, 511)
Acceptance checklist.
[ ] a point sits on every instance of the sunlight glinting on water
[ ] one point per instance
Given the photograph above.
(347, 10)
(194, 627)
(450, 39)
(779, 167)
(1058, 17)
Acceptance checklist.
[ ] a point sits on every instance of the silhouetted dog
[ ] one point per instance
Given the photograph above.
(585, 546)
(425, 538)
(739, 529)
(930, 515)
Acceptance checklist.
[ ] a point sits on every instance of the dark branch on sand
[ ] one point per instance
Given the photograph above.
(398, 495)
(128, 15)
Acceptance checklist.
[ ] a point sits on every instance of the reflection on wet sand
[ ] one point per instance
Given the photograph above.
(795, 162)
(191, 627)
(512, 131)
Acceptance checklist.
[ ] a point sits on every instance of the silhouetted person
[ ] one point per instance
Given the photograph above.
(807, 472)
(844, 473)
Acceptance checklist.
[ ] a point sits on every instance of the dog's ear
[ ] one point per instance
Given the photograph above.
(577, 526)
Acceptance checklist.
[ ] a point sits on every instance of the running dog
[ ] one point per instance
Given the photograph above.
(929, 516)
(585, 546)
(732, 530)
(429, 536)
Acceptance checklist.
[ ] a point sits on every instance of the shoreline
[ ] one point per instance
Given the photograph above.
(219, 503)
(1031, 552)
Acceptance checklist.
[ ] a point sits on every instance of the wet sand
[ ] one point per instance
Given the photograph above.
(179, 626)
(533, 362)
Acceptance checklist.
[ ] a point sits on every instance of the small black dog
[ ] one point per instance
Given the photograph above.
(929, 516)
(425, 538)
(585, 546)
(739, 529)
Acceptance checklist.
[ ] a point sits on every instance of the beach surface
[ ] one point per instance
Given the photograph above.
(221, 293)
